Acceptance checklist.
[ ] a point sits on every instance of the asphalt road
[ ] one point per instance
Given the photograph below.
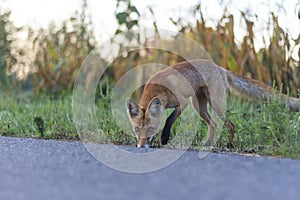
(38, 169)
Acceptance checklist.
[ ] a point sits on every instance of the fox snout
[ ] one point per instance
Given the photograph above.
(144, 142)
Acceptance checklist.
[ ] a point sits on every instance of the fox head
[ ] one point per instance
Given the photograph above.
(145, 121)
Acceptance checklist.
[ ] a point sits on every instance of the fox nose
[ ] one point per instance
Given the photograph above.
(144, 142)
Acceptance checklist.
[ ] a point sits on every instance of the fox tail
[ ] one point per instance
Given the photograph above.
(258, 91)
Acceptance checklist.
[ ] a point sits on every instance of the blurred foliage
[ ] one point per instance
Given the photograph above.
(60, 50)
(7, 49)
(271, 63)
(127, 16)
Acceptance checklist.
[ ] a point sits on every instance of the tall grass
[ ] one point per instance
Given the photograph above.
(275, 61)
(60, 49)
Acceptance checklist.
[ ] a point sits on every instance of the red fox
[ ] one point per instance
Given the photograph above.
(168, 88)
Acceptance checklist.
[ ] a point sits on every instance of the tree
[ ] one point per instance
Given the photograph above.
(7, 58)
(60, 50)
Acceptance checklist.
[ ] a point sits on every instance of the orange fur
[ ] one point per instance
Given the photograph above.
(201, 80)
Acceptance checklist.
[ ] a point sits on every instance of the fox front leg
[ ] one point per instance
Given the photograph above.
(165, 135)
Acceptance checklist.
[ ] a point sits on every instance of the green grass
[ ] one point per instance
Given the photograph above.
(264, 129)
(267, 129)
(37, 117)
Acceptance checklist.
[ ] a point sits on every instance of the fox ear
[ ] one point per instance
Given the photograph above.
(155, 107)
(132, 108)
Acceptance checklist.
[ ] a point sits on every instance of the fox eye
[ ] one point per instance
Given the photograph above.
(150, 129)
(137, 129)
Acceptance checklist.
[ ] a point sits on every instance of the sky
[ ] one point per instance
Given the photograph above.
(39, 13)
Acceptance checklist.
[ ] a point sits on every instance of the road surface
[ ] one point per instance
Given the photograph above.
(56, 170)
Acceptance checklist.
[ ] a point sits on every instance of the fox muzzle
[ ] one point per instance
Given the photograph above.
(144, 142)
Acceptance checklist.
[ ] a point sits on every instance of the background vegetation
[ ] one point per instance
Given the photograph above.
(37, 103)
